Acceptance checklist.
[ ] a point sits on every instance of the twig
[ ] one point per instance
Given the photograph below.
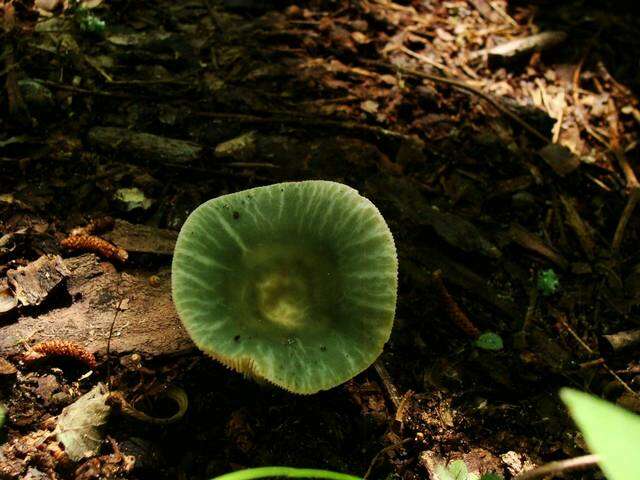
(250, 165)
(84, 91)
(633, 186)
(426, 60)
(298, 119)
(17, 106)
(577, 463)
(467, 88)
(389, 386)
(634, 198)
(561, 318)
(113, 323)
(382, 452)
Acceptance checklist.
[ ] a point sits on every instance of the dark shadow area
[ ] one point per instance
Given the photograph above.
(168, 104)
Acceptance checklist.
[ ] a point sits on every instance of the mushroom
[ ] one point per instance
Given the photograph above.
(293, 283)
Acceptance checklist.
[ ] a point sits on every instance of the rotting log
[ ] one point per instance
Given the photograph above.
(136, 238)
(144, 146)
(33, 283)
(147, 322)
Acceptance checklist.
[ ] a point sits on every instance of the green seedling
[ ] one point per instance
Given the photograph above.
(548, 282)
(293, 283)
(88, 22)
(611, 432)
(489, 341)
(3, 414)
(457, 470)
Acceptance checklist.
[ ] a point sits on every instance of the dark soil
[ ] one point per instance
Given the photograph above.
(243, 93)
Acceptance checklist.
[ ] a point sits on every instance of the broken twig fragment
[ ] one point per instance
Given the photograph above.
(523, 46)
(33, 284)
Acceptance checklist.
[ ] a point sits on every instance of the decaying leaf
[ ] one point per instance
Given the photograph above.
(79, 425)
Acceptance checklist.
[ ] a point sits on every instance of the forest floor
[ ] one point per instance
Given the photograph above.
(493, 165)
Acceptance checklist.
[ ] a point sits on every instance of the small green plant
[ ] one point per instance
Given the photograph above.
(548, 282)
(289, 472)
(2, 415)
(457, 470)
(489, 341)
(611, 432)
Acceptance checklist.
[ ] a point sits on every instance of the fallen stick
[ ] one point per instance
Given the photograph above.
(302, 119)
(145, 146)
(497, 104)
(570, 464)
(522, 46)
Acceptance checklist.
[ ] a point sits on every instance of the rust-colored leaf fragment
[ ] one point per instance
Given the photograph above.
(91, 243)
(60, 348)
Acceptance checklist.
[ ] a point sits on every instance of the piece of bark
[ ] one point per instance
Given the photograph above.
(562, 160)
(460, 232)
(147, 322)
(33, 283)
(531, 242)
(617, 342)
(145, 146)
(522, 46)
(142, 238)
(579, 226)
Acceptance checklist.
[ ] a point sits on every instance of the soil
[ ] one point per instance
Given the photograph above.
(119, 118)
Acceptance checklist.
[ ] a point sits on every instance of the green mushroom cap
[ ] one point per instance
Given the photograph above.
(294, 283)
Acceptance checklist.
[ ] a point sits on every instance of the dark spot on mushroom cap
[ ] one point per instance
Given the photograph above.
(311, 266)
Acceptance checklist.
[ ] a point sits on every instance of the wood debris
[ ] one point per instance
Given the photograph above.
(33, 284)
(527, 45)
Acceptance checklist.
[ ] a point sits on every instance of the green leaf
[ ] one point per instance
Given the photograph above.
(2, 415)
(458, 470)
(289, 472)
(548, 282)
(444, 474)
(611, 432)
(489, 341)
(491, 476)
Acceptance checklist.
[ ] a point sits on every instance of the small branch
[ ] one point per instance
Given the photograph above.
(389, 386)
(497, 104)
(301, 119)
(382, 452)
(586, 461)
(634, 198)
